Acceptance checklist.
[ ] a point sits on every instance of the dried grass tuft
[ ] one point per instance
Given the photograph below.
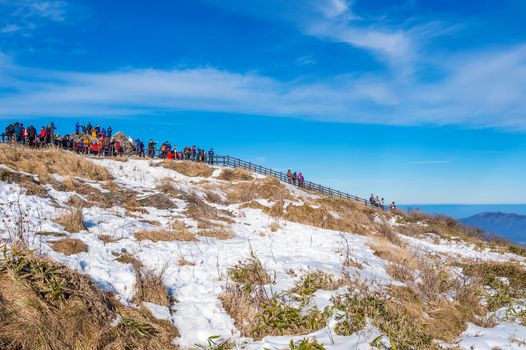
(71, 221)
(235, 175)
(69, 246)
(187, 168)
(164, 235)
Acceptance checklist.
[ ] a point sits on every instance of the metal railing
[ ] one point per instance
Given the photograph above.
(231, 162)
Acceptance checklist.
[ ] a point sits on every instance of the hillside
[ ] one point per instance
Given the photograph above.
(505, 224)
(167, 254)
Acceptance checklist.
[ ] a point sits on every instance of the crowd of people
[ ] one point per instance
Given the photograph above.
(16, 132)
(295, 178)
(94, 140)
(100, 141)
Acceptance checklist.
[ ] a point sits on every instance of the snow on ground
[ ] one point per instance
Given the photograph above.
(198, 313)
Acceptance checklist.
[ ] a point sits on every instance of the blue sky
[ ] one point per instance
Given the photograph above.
(417, 101)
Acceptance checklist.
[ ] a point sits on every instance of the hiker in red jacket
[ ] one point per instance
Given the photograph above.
(289, 177)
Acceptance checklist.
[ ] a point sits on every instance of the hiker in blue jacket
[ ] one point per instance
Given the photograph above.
(211, 156)
(108, 131)
(77, 128)
(18, 132)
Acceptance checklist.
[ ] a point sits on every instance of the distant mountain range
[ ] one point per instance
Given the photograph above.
(510, 226)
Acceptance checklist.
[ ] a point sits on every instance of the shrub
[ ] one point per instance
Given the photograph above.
(250, 273)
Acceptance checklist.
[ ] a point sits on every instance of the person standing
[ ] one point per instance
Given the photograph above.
(211, 156)
(108, 131)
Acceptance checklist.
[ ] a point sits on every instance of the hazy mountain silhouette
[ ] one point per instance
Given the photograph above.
(507, 225)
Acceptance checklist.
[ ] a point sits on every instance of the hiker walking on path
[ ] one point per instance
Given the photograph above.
(294, 178)
(289, 177)
(300, 179)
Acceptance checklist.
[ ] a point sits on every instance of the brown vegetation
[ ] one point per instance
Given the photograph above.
(269, 188)
(149, 287)
(44, 305)
(50, 161)
(191, 169)
(180, 234)
(72, 221)
(32, 186)
(237, 174)
(69, 246)
(217, 232)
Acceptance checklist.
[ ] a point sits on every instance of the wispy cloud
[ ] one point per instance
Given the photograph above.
(428, 162)
(25, 16)
(480, 90)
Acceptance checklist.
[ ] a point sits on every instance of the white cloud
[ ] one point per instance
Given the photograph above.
(52, 10)
(480, 90)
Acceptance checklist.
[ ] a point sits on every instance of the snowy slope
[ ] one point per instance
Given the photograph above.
(197, 312)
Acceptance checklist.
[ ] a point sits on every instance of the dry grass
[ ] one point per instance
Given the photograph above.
(126, 258)
(277, 210)
(213, 197)
(32, 186)
(252, 205)
(69, 246)
(202, 212)
(187, 168)
(164, 235)
(348, 220)
(50, 161)
(182, 261)
(149, 287)
(217, 232)
(71, 221)
(235, 175)
(274, 226)
(44, 305)
(269, 188)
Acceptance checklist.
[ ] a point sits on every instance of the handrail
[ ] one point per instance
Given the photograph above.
(231, 162)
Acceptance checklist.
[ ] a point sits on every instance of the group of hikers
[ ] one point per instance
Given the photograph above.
(16, 132)
(193, 153)
(99, 141)
(380, 203)
(295, 178)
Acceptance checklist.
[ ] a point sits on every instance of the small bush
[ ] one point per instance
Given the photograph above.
(274, 226)
(250, 273)
(315, 281)
(150, 288)
(71, 221)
